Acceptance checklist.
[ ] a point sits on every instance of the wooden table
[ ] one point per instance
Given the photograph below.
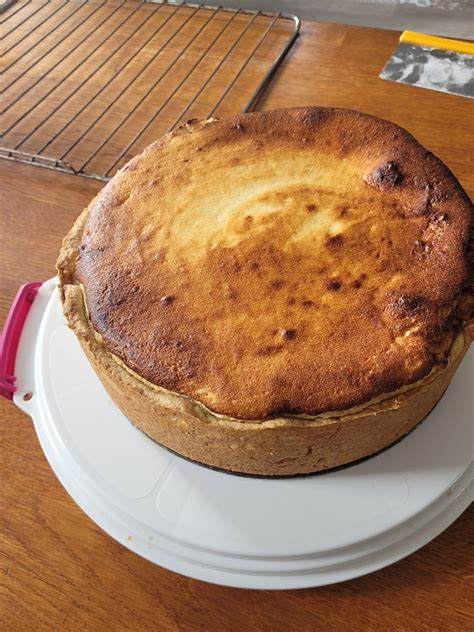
(58, 570)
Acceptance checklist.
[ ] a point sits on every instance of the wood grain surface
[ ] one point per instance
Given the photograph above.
(58, 570)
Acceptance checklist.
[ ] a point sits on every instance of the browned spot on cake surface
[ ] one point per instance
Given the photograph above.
(333, 284)
(334, 241)
(167, 299)
(385, 176)
(287, 334)
(276, 284)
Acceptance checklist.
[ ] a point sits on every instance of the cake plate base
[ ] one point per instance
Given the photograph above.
(233, 530)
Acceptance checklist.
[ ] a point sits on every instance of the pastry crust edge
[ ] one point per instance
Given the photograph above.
(282, 446)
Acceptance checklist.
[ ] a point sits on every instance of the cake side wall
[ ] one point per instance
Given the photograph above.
(297, 446)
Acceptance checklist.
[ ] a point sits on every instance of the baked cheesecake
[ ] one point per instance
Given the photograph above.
(275, 293)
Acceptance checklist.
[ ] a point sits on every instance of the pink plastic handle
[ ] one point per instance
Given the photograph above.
(10, 336)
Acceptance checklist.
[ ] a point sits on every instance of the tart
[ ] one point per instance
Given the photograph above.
(275, 293)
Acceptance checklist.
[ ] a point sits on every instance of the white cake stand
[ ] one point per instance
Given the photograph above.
(232, 530)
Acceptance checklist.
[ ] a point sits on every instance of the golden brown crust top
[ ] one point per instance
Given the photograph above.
(288, 262)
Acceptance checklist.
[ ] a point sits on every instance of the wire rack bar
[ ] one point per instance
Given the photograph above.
(129, 114)
(86, 125)
(32, 158)
(7, 4)
(122, 92)
(168, 99)
(245, 64)
(210, 7)
(28, 17)
(38, 41)
(104, 87)
(259, 90)
(85, 19)
(95, 70)
(47, 162)
(74, 68)
(35, 26)
(213, 73)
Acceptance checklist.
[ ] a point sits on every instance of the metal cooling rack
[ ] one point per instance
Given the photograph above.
(86, 84)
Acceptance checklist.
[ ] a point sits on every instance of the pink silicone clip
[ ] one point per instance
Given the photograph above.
(10, 336)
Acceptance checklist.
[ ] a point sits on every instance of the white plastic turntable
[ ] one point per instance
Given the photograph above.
(233, 530)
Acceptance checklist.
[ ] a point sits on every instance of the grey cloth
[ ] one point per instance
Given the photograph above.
(432, 68)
